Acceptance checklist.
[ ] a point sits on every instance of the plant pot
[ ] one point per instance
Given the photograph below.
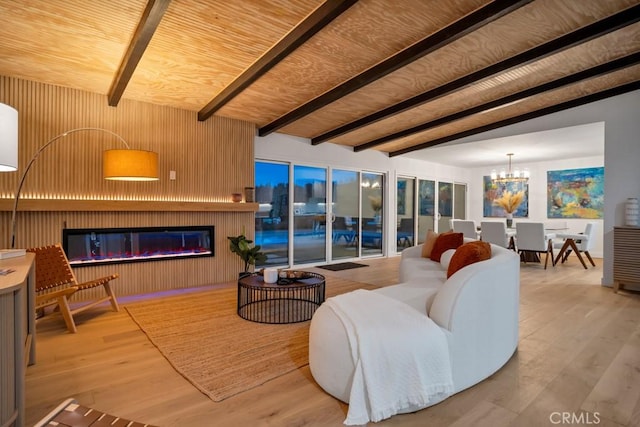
(509, 220)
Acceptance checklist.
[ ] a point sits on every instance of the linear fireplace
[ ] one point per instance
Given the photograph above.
(88, 247)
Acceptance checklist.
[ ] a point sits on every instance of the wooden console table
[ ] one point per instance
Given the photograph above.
(17, 336)
(626, 257)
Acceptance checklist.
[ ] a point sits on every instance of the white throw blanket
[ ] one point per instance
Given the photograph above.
(401, 356)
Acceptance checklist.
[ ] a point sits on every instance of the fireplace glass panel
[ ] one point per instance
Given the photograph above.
(86, 247)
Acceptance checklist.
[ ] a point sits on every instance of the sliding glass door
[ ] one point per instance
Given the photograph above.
(350, 226)
(426, 207)
(459, 201)
(345, 207)
(372, 217)
(445, 205)
(309, 214)
(405, 213)
(272, 218)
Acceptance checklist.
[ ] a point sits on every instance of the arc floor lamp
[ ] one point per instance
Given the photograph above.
(118, 165)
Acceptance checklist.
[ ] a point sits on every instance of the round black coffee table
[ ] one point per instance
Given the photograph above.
(295, 301)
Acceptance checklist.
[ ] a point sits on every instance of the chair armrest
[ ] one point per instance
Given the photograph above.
(68, 291)
(97, 282)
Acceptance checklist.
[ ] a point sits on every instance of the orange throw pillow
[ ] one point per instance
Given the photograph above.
(468, 253)
(444, 242)
(429, 241)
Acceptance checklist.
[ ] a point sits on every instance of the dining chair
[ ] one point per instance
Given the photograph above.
(466, 227)
(578, 243)
(495, 232)
(532, 239)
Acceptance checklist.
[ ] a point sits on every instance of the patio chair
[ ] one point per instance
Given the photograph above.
(55, 283)
(405, 232)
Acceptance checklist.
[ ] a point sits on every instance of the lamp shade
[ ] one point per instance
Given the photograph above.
(8, 138)
(130, 165)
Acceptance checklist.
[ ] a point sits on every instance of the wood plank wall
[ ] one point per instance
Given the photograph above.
(212, 159)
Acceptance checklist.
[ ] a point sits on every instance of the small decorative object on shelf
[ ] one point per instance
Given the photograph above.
(249, 194)
(631, 212)
(236, 197)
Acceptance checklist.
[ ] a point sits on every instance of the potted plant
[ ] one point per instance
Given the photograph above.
(249, 253)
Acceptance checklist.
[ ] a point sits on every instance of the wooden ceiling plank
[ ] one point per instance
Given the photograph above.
(315, 22)
(151, 17)
(435, 41)
(584, 34)
(598, 70)
(619, 90)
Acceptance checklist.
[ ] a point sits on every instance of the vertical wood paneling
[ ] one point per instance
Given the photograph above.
(212, 159)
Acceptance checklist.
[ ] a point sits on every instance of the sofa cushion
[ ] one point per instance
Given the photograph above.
(422, 269)
(429, 241)
(468, 253)
(444, 242)
(445, 259)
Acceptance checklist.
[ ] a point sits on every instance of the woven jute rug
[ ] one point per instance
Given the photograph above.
(220, 353)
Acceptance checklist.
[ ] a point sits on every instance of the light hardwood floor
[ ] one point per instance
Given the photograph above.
(578, 358)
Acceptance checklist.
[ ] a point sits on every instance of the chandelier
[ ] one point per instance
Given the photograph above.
(508, 175)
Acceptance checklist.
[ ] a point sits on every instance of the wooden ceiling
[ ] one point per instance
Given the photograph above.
(389, 75)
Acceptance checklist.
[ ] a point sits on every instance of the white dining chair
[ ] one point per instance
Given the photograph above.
(466, 227)
(532, 239)
(578, 243)
(495, 232)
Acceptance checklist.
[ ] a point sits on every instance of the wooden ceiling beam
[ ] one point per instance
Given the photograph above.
(315, 22)
(619, 90)
(151, 17)
(579, 36)
(437, 40)
(598, 70)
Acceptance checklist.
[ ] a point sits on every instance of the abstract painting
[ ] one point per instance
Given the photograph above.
(575, 193)
(494, 190)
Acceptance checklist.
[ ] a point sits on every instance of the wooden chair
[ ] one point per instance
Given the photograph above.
(55, 283)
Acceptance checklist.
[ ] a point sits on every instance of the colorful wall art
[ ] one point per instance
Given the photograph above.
(575, 193)
(493, 191)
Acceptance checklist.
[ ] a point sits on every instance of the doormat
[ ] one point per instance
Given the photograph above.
(342, 266)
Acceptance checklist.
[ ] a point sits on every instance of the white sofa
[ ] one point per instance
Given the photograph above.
(477, 307)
